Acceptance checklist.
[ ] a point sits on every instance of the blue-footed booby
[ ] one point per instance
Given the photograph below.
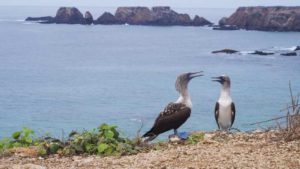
(175, 113)
(224, 109)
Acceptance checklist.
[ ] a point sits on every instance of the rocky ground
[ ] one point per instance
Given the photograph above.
(217, 150)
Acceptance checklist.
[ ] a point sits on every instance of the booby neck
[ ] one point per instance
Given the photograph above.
(225, 93)
(185, 99)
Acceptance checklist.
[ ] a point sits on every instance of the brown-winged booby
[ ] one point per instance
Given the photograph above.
(175, 113)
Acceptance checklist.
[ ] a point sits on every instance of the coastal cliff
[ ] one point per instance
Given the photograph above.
(278, 18)
(156, 16)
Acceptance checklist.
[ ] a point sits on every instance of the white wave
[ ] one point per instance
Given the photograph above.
(245, 52)
(276, 48)
(30, 23)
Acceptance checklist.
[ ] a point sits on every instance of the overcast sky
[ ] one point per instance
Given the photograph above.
(173, 3)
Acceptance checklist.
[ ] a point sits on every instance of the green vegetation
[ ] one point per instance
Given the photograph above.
(104, 140)
(23, 138)
(195, 138)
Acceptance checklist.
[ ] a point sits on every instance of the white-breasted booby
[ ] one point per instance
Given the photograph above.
(225, 108)
(175, 113)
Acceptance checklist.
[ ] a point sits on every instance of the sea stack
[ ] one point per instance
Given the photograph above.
(88, 18)
(277, 18)
(69, 15)
(107, 19)
(156, 16)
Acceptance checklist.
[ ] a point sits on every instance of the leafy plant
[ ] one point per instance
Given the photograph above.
(104, 140)
(195, 138)
(24, 137)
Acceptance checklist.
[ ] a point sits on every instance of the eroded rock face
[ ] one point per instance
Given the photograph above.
(107, 19)
(69, 15)
(165, 16)
(160, 15)
(265, 18)
(134, 15)
(88, 18)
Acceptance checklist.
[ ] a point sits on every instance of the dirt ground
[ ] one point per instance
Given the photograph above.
(217, 150)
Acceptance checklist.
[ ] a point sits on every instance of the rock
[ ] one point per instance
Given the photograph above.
(164, 16)
(27, 166)
(297, 48)
(289, 54)
(88, 18)
(222, 22)
(226, 27)
(44, 19)
(277, 18)
(257, 52)
(157, 16)
(227, 51)
(174, 138)
(69, 15)
(134, 15)
(107, 19)
(183, 20)
(200, 21)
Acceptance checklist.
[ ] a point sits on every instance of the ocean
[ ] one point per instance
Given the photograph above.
(58, 78)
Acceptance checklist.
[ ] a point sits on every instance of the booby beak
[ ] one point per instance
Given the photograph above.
(217, 79)
(195, 74)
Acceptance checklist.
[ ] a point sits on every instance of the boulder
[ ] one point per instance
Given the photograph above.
(107, 19)
(88, 18)
(200, 21)
(69, 15)
(289, 54)
(277, 18)
(222, 22)
(257, 52)
(227, 51)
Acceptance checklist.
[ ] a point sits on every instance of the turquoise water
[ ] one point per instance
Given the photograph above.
(56, 78)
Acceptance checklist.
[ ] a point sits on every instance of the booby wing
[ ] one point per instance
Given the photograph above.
(217, 114)
(232, 113)
(172, 117)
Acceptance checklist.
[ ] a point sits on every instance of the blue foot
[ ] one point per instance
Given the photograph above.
(183, 135)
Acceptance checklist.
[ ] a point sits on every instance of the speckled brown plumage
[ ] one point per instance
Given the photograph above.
(172, 117)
